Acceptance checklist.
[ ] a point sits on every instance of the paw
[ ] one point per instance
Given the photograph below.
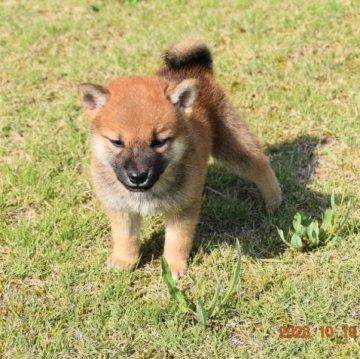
(274, 201)
(273, 198)
(178, 268)
(117, 262)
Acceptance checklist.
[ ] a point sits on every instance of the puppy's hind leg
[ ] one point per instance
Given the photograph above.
(240, 151)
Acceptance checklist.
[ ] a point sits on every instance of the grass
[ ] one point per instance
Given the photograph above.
(292, 70)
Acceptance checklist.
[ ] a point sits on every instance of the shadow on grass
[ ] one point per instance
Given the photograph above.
(233, 207)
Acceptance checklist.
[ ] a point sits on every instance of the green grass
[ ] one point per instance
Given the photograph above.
(292, 70)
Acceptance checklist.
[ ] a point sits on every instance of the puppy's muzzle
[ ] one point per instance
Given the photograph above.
(138, 177)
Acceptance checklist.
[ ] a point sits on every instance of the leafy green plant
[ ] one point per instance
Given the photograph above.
(201, 312)
(307, 234)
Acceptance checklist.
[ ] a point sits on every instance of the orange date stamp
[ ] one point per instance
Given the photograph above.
(325, 331)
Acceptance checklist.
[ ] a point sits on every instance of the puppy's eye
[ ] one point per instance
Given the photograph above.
(117, 143)
(159, 143)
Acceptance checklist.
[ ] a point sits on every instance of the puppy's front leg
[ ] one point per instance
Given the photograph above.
(125, 235)
(180, 227)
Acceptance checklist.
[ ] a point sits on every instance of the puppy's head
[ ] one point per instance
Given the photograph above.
(138, 126)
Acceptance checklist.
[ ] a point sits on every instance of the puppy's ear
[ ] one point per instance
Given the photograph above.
(183, 94)
(93, 97)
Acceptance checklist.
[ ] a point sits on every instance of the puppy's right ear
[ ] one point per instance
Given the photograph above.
(93, 97)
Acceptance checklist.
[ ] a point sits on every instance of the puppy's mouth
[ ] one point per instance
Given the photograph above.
(143, 188)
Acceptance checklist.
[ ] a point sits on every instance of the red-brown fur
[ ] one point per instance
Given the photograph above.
(182, 102)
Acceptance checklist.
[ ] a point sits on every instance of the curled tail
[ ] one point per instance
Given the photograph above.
(188, 54)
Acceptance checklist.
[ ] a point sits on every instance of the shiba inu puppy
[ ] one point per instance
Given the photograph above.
(152, 137)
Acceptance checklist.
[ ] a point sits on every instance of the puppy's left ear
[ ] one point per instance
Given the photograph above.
(93, 97)
(183, 94)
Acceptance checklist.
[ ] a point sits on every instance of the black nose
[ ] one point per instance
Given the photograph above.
(137, 177)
